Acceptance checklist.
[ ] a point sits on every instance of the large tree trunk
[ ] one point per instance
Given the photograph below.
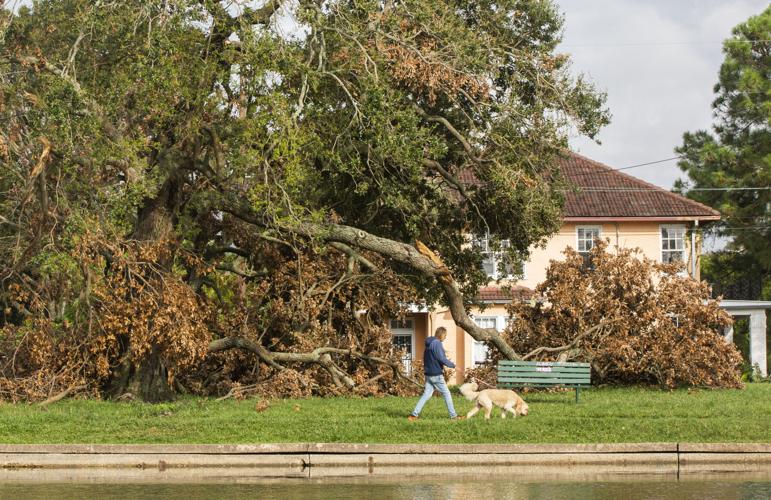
(147, 378)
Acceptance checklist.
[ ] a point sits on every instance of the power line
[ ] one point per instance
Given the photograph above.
(611, 170)
(646, 190)
(650, 163)
(660, 44)
(760, 188)
(736, 228)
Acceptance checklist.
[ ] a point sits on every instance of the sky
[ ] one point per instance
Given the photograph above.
(658, 61)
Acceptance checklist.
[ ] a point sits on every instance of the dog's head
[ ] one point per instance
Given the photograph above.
(468, 389)
(521, 407)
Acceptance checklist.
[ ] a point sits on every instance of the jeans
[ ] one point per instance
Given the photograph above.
(435, 382)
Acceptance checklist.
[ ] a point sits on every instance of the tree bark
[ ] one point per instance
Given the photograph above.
(148, 378)
(419, 257)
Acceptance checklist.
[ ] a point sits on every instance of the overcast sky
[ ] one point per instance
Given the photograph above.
(658, 61)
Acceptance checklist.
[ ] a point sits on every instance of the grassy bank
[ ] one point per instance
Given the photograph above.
(604, 415)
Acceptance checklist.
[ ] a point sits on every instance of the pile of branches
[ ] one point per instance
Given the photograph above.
(636, 321)
(118, 318)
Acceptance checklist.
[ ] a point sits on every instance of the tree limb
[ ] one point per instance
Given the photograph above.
(353, 254)
(571, 345)
(320, 356)
(451, 129)
(62, 395)
(418, 257)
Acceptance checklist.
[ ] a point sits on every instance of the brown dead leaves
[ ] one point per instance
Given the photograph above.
(423, 69)
(659, 327)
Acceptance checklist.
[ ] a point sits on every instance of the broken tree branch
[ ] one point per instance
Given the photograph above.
(419, 257)
(320, 356)
(566, 347)
(62, 395)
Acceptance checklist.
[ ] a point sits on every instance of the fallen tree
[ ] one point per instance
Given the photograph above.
(636, 321)
(179, 173)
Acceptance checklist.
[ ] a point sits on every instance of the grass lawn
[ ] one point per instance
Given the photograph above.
(604, 415)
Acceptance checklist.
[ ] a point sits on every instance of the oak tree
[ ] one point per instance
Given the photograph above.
(170, 165)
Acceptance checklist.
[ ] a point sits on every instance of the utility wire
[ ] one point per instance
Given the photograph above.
(613, 190)
(760, 188)
(611, 170)
(655, 190)
(735, 228)
(650, 163)
(654, 44)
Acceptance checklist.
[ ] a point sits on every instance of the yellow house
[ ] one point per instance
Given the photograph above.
(608, 204)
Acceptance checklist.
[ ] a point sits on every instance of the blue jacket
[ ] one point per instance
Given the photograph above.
(434, 357)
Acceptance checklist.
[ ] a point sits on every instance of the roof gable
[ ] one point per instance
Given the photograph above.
(605, 193)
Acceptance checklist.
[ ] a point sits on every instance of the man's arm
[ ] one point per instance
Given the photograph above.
(438, 349)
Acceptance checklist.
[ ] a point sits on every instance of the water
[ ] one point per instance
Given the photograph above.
(498, 489)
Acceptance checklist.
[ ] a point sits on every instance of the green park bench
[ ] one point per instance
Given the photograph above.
(544, 374)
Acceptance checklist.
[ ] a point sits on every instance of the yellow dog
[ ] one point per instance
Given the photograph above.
(508, 401)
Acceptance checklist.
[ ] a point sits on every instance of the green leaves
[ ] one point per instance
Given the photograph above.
(408, 120)
(738, 153)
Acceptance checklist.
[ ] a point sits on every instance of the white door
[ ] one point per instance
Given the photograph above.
(403, 335)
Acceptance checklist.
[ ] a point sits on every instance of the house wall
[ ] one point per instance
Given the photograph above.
(492, 310)
(459, 345)
(421, 332)
(643, 235)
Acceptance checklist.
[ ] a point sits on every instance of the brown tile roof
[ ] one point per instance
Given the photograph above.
(607, 193)
(467, 178)
(506, 294)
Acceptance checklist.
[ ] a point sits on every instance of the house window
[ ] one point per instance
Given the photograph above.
(480, 353)
(403, 338)
(585, 238)
(494, 263)
(672, 244)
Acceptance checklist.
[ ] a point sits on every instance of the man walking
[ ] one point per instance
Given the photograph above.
(434, 359)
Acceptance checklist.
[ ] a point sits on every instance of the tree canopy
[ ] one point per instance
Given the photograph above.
(735, 158)
(188, 176)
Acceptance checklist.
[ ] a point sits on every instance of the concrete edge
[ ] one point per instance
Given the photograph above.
(348, 448)
(323, 460)
(167, 449)
(552, 448)
(405, 449)
(725, 447)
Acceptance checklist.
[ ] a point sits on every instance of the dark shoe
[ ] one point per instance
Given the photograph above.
(412, 418)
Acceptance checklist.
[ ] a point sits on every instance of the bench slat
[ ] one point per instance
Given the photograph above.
(543, 374)
(510, 385)
(539, 363)
(544, 370)
(544, 367)
(546, 376)
(544, 381)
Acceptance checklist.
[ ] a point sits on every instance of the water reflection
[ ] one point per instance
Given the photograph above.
(418, 490)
